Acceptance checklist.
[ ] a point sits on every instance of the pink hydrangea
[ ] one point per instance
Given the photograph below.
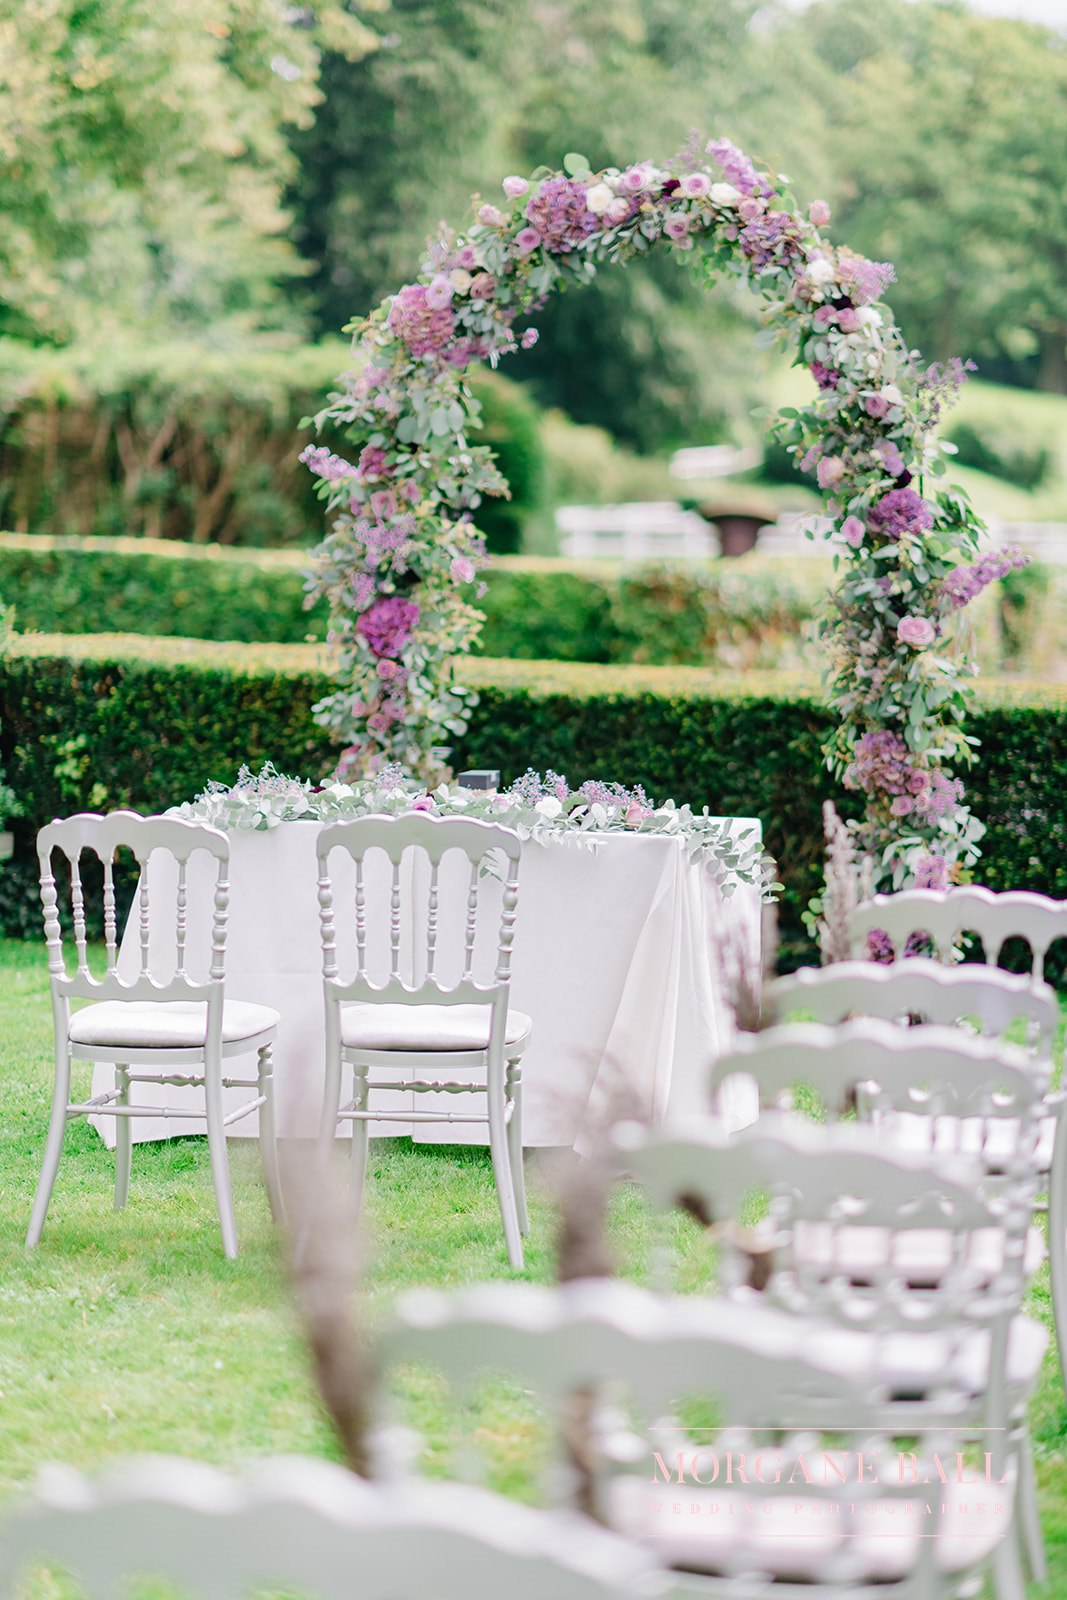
(387, 625)
(559, 213)
(931, 872)
(424, 328)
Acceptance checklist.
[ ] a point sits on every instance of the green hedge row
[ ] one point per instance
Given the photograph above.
(190, 441)
(111, 721)
(535, 609)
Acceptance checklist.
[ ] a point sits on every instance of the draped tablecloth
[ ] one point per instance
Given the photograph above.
(619, 956)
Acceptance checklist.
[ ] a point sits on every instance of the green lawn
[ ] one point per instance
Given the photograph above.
(128, 1331)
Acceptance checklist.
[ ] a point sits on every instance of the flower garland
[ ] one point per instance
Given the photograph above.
(400, 565)
(538, 808)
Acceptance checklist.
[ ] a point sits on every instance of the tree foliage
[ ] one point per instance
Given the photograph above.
(143, 159)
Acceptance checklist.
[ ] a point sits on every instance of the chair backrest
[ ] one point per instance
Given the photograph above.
(441, 921)
(976, 1096)
(775, 1392)
(846, 1223)
(144, 837)
(945, 914)
(919, 988)
(310, 1527)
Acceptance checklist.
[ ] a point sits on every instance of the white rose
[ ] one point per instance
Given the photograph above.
(821, 270)
(869, 318)
(460, 280)
(890, 392)
(598, 199)
(724, 194)
(549, 806)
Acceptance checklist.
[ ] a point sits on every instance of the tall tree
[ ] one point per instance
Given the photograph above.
(143, 160)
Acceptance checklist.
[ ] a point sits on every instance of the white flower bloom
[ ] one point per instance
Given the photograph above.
(549, 806)
(724, 194)
(869, 317)
(890, 392)
(820, 269)
(461, 280)
(598, 199)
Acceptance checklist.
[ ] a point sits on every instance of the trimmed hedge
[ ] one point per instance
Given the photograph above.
(190, 441)
(535, 609)
(108, 721)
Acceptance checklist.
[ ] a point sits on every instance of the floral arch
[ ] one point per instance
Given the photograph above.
(400, 564)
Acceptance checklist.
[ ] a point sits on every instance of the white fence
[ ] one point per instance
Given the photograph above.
(660, 530)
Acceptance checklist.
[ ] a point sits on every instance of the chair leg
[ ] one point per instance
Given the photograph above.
(1008, 1583)
(513, 1093)
(123, 1137)
(1057, 1244)
(498, 1144)
(220, 1166)
(360, 1133)
(268, 1136)
(53, 1149)
(1029, 1517)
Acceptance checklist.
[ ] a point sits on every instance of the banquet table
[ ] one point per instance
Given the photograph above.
(620, 948)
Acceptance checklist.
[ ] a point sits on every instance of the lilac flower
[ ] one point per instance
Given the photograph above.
(931, 872)
(963, 584)
(424, 328)
(372, 462)
(383, 504)
(387, 625)
(898, 512)
(558, 212)
(825, 377)
(738, 169)
(941, 795)
(869, 279)
(880, 947)
(363, 589)
(325, 465)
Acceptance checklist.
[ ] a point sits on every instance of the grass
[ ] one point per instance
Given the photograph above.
(128, 1332)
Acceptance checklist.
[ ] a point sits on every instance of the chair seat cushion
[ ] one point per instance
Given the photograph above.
(802, 1538)
(168, 1024)
(387, 1027)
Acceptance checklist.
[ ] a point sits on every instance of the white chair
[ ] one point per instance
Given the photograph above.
(412, 1024)
(299, 1526)
(747, 1508)
(150, 1025)
(946, 914)
(886, 1244)
(919, 987)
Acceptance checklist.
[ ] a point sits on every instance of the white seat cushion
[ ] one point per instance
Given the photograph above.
(921, 1256)
(798, 1537)
(168, 1024)
(386, 1027)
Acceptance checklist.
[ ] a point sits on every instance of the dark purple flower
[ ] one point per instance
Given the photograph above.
(825, 377)
(898, 512)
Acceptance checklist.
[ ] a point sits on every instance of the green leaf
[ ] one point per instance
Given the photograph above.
(573, 163)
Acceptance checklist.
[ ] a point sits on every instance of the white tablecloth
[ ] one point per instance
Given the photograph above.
(618, 959)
